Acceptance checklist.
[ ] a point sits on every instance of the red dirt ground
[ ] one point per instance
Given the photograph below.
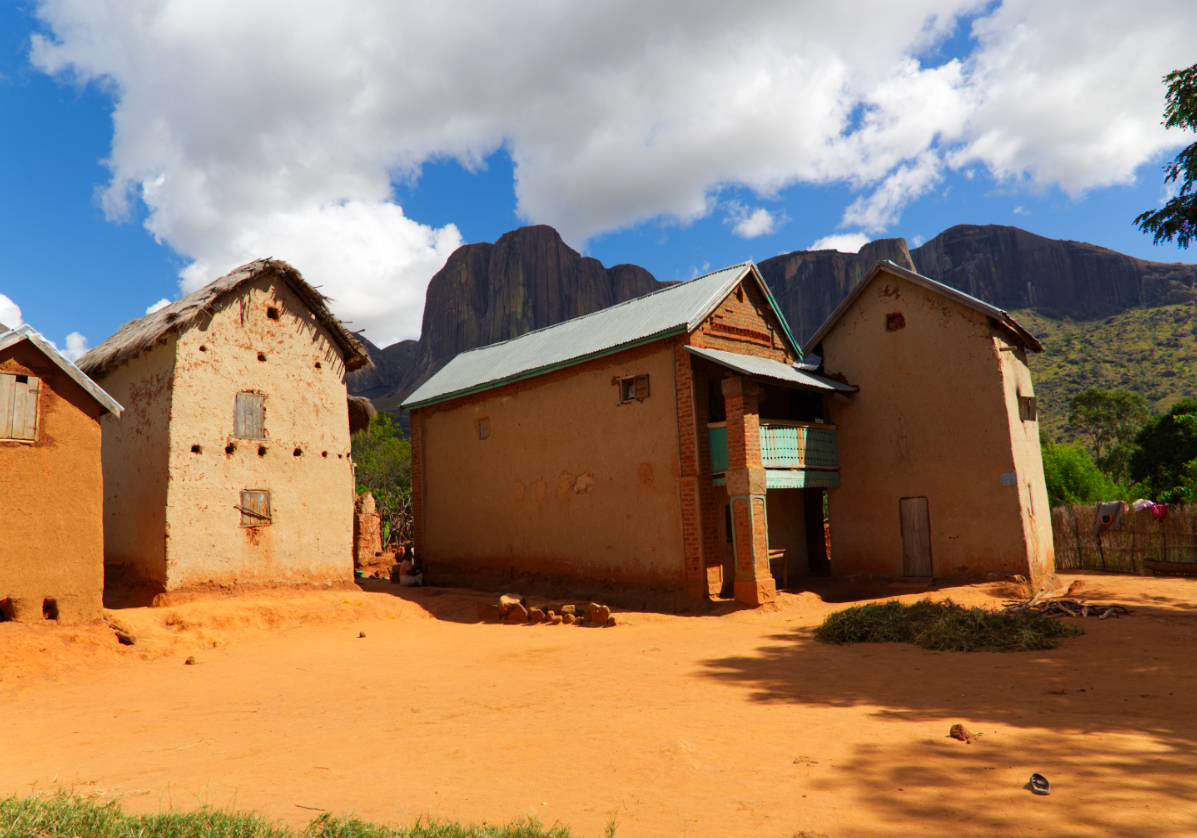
(734, 723)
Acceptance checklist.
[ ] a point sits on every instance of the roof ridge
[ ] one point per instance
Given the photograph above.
(673, 287)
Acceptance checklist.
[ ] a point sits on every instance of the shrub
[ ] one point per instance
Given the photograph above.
(1073, 478)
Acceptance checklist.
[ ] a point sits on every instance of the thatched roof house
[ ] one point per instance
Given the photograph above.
(233, 462)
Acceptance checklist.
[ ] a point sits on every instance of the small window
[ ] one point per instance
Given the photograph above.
(18, 406)
(272, 313)
(255, 508)
(249, 420)
(895, 321)
(1027, 408)
(484, 427)
(633, 389)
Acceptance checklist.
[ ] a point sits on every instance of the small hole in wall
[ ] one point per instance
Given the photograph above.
(317, 365)
(7, 610)
(324, 454)
(203, 349)
(272, 313)
(50, 609)
(230, 448)
(261, 450)
(298, 452)
(895, 321)
(195, 449)
(261, 356)
(338, 456)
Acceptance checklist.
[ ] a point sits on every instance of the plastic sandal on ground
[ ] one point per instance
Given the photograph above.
(1039, 784)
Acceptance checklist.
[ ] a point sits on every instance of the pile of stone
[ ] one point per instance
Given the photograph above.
(513, 608)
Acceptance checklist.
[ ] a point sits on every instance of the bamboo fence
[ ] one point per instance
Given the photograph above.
(1139, 537)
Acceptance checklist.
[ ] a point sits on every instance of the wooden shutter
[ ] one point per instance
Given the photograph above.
(641, 387)
(249, 420)
(255, 508)
(18, 406)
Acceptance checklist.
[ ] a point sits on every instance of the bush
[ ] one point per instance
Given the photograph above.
(1167, 446)
(382, 465)
(1073, 478)
(944, 627)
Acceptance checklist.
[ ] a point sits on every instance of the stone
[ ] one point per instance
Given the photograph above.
(535, 615)
(555, 619)
(567, 618)
(507, 601)
(516, 613)
(190, 661)
(553, 607)
(610, 621)
(568, 609)
(361, 634)
(597, 615)
(490, 612)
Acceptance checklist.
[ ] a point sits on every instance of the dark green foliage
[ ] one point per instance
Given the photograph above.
(1073, 478)
(944, 626)
(65, 815)
(1109, 419)
(383, 468)
(1165, 455)
(1177, 219)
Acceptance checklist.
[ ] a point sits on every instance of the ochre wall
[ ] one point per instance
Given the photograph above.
(136, 449)
(787, 529)
(932, 419)
(310, 537)
(52, 538)
(570, 483)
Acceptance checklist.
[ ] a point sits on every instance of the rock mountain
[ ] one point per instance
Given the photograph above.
(530, 279)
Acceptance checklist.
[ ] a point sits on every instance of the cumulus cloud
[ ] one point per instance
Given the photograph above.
(750, 222)
(10, 313)
(252, 128)
(163, 303)
(76, 346)
(843, 242)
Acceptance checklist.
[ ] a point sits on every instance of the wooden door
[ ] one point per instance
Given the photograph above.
(916, 537)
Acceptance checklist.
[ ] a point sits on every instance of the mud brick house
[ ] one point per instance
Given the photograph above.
(940, 467)
(668, 442)
(233, 462)
(52, 540)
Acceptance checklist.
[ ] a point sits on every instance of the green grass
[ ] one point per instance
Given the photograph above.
(66, 815)
(944, 626)
(1152, 351)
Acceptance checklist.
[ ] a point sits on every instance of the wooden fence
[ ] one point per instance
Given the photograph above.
(1139, 537)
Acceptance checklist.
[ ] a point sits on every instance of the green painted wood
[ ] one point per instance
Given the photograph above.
(800, 479)
(787, 447)
(719, 456)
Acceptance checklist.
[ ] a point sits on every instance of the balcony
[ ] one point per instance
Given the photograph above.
(796, 455)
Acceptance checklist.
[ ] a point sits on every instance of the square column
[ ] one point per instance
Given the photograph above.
(746, 488)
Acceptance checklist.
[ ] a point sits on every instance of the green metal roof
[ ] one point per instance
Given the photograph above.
(768, 368)
(678, 309)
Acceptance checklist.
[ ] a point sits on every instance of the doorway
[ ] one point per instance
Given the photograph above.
(916, 536)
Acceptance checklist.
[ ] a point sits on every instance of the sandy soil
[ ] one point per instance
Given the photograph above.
(731, 723)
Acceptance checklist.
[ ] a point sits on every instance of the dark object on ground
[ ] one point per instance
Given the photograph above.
(361, 634)
(1151, 568)
(1039, 784)
(1049, 605)
(960, 732)
(944, 626)
(190, 661)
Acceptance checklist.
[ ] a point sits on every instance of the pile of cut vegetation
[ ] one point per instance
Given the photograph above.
(66, 815)
(944, 626)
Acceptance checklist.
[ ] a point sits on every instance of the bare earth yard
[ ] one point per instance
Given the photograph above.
(735, 723)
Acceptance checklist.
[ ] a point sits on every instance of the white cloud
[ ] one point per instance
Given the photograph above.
(750, 222)
(76, 346)
(163, 303)
(918, 240)
(10, 313)
(256, 128)
(1021, 211)
(843, 242)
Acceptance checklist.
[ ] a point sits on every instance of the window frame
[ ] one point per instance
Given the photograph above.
(639, 388)
(10, 387)
(251, 512)
(240, 431)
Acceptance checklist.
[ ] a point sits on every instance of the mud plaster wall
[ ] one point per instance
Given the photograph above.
(786, 515)
(310, 537)
(1028, 461)
(52, 538)
(136, 449)
(931, 420)
(570, 483)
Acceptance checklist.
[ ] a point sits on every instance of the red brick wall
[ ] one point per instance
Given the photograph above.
(744, 323)
(691, 479)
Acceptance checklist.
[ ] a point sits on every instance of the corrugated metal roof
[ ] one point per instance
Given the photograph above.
(767, 368)
(999, 315)
(28, 333)
(673, 310)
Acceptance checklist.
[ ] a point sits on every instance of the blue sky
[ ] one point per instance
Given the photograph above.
(86, 245)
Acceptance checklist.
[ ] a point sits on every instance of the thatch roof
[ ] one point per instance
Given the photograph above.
(138, 335)
(361, 411)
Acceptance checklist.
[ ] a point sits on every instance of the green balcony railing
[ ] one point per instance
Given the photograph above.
(799, 445)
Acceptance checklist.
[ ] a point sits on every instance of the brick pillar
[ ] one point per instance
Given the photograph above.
(746, 488)
(694, 579)
(417, 484)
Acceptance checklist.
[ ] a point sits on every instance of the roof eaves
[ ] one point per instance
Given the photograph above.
(28, 333)
(532, 373)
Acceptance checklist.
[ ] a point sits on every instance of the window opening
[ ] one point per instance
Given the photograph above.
(633, 389)
(7, 610)
(1028, 408)
(249, 421)
(255, 508)
(727, 523)
(50, 609)
(195, 449)
(272, 313)
(298, 452)
(18, 406)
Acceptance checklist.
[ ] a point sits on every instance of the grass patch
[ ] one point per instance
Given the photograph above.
(66, 815)
(944, 626)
